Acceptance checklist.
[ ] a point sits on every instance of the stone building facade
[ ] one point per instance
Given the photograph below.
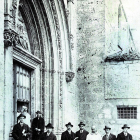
(75, 60)
(36, 63)
(107, 66)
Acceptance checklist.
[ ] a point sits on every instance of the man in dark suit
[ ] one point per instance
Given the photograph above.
(124, 135)
(38, 125)
(21, 131)
(48, 135)
(68, 134)
(108, 135)
(82, 133)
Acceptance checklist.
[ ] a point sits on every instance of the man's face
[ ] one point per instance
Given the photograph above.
(107, 131)
(24, 109)
(21, 119)
(48, 130)
(38, 115)
(81, 127)
(69, 127)
(93, 130)
(125, 130)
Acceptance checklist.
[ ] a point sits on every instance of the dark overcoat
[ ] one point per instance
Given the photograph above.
(50, 137)
(66, 136)
(17, 132)
(121, 136)
(111, 137)
(40, 124)
(82, 136)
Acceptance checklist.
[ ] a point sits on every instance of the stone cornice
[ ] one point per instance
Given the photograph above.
(25, 57)
(123, 57)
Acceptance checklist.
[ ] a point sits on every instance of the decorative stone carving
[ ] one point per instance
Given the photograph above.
(70, 1)
(67, 12)
(60, 63)
(69, 76)
(71, 39)
(22, 42)
(11, 38)
(14, 3)
(7, 39)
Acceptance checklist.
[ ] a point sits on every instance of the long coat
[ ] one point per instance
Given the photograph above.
(17, 132)
(111, 137)
(40, 124)
(82, 136)
(121, 136)
(66, 136)
(50, 137)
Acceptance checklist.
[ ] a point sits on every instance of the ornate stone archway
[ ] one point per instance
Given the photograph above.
(47, 43)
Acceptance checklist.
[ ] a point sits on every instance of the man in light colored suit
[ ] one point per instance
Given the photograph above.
(94, 135)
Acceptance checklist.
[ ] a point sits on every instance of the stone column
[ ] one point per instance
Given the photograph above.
(10, 8)
(1, 67)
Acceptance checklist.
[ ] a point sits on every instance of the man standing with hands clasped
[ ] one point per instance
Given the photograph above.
(82, 133)
(38, 125)
(108, 135)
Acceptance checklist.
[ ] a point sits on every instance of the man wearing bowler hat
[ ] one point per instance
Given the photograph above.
(38, 125)
(124, 135)
(82, 133)
(48, 135)
(21, 131)
(108, 135)
(68, 134)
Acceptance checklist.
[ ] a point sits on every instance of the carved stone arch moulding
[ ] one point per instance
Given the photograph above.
(61, 75)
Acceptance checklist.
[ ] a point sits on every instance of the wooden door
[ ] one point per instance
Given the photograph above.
(22, 85)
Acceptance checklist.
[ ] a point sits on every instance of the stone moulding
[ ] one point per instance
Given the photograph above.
(25, 57)
(69, 76)
(123, 57)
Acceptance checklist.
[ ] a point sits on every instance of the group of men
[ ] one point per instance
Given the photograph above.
(82, 134)
(22, 131)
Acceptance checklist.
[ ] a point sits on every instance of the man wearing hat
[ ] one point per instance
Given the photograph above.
(68, 134)
(21, 131)
(108, 135)
(124, 135)
(38, 125)
(82, 133)
(24, 111)
(48, 135)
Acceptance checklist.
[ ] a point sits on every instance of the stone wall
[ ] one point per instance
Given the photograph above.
(97, 36)
(1, 67)
(90, 69)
